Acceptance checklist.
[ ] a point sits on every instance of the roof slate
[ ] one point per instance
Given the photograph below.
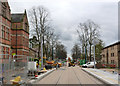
(16, 18)
(112, 45)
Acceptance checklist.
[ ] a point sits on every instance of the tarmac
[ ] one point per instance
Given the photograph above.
(104, 76)
(69, 76)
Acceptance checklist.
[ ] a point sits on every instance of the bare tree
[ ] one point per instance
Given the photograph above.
(39, 21)
(51, 40)
(83, 37)
(54, 40)
(87, 32)
(76, 51)
(93, 34)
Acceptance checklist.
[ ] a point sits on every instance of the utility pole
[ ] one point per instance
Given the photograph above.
(85, 56)
(43, 45)
(95, 41)
(94, 56)
(41, 53)
(16, 41)
(42, 34)
(52, 50)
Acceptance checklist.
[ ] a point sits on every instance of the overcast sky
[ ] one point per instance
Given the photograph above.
(67, 14)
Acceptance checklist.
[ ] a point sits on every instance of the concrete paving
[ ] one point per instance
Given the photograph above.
(105, 76)
(40, 76)
(69, 75)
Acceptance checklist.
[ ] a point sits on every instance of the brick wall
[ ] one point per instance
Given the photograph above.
(112, 55)
(5, 30)
(22, 39)
(8, 33)
(0, 35)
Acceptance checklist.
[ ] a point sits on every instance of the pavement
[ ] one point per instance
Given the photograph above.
(69, 76)
(110, 70)
(106, 77)
(14, 73)
(41, 76)
(75, 75)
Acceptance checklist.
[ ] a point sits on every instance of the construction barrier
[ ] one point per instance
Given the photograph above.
(13, 66)
(82, 62)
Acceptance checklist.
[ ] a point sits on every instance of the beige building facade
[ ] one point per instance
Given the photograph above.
(110, 54)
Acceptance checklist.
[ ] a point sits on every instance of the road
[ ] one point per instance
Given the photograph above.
(69, 75)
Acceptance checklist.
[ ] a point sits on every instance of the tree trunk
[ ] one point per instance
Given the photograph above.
(39, 50)
(90, 53)
(43, 46)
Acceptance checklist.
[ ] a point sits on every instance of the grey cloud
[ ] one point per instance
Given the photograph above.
(66, 14)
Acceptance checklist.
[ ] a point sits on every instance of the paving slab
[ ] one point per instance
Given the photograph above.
(41, 76)
(104, 76)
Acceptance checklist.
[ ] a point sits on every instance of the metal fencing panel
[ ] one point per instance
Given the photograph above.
(13, 66)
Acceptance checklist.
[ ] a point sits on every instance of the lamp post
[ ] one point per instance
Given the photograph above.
(52, 52)
(85, 56)
(95, 41)
(41, 53)
(16, 41)
(94, 57)
(42, 31)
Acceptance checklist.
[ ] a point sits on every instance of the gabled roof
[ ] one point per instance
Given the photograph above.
(112, 45)
(16, 18)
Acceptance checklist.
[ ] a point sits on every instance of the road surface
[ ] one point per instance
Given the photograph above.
(69, 75)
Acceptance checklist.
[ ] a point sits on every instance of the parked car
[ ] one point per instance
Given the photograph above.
(89, 65)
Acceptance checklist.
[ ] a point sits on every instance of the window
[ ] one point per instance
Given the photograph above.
(4, 9)
(7, 33)
(7, 52)
(112, 61)
(3, 51)
(4, 12)
(26, 26)
(3, 31)
(113, 54)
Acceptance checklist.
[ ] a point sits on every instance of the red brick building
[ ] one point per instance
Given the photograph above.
(14, 32)
(5, 28)
(20, 34)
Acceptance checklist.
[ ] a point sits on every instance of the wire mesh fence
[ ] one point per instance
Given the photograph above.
(13, 66)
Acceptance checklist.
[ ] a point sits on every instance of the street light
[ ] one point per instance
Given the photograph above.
(94, 56)
(95, 41)
(85, 56)
(41, 51)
